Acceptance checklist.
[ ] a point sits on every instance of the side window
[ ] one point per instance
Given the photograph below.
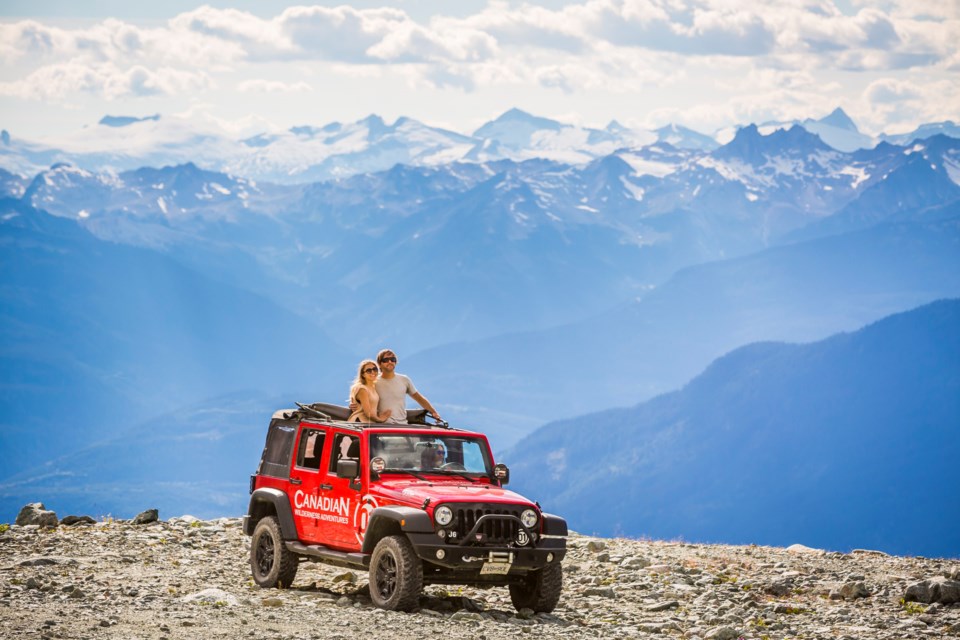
(310, 449)
(345, 445)
(275, 460)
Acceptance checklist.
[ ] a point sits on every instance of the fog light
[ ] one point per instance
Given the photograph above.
(549, 557)
(441, 554)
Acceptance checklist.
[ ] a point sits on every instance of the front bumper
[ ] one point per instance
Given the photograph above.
(472, 558)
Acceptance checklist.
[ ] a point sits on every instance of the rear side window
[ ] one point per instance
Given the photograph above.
(345, 446)
(275, 461)
(310, 449)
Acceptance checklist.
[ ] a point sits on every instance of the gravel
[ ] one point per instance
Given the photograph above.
(187, 578)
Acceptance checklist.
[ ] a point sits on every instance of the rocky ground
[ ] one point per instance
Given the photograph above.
(188, 579)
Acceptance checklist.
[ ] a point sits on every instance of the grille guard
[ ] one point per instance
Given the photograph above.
(468, 538)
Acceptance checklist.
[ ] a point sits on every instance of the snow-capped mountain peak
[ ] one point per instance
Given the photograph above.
(839, 119)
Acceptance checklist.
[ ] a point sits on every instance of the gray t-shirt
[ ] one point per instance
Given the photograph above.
(393, 395)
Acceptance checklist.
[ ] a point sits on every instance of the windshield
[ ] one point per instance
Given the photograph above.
(435, 453)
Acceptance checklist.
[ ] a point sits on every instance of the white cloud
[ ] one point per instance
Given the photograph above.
(342, 33)
(57, 82)
(29, 39)
(272, 86)
(936, 9)
(702, 50)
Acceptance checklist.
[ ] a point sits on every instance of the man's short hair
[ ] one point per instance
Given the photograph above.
(384, 352)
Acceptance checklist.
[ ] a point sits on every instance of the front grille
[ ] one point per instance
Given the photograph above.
(495, 530)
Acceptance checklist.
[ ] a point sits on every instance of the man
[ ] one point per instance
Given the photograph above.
(394, 387)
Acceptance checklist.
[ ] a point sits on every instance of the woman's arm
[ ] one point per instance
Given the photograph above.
(363, 395)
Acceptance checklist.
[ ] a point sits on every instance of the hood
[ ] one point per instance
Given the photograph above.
(413, 492)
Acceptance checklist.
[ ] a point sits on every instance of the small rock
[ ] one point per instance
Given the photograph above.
(854, 590)
(779, 588)
(466, 616)
(344, 602)
(71, 521)
(603, 592)
(663, 606)
(525, 613)
(349, 577)
(36, 514)
(146, 517)
(635, 563)
(603, 557)
(211, 596)
(939, 589)
(722, 633)
(659, 568)
(37, 562)
(596, 545)
(273, 602)
(799, 548)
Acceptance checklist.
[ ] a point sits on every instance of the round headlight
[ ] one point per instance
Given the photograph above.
(443, 515)
(528, 518)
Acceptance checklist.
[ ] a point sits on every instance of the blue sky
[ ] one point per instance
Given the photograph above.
(253, 66)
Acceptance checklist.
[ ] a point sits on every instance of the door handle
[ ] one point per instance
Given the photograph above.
(326, 486)
(296, 481)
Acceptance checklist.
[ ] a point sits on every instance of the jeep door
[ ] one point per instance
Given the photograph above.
(339, 524)
(306, 488)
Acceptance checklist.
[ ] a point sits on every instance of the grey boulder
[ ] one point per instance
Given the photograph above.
(146, 517)
(36, 513)
(940, 589)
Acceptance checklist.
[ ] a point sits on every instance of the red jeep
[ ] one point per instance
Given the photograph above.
(413, 503)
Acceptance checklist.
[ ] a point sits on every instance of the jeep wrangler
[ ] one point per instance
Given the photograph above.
(413, 504)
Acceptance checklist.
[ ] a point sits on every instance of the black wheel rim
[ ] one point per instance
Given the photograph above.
(386, 576)
(264, 555)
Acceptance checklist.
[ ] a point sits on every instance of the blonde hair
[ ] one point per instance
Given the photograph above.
(363, 365)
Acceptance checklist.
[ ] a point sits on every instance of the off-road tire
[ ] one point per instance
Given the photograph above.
(396, 575)
(271, 563)
(540, 590)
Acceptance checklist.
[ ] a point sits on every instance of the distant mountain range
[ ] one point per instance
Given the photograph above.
(517, 289)
(850, 442)
(310, 153)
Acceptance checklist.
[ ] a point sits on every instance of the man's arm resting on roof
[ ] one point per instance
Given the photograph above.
(423, 402)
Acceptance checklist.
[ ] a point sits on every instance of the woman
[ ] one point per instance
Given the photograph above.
(364, 393)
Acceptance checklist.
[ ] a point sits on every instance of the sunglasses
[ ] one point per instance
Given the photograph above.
(389, 359)
(370, 370)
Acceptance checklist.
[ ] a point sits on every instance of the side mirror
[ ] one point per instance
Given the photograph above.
(348, 468)
(501, 473)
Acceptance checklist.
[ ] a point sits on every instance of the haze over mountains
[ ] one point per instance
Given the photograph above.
(544, 272)
(847, 442)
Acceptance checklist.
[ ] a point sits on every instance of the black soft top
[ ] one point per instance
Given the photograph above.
(339, 413)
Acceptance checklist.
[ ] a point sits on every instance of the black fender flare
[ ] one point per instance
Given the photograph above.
(388, 521)
(554, 525)
(262, 502)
